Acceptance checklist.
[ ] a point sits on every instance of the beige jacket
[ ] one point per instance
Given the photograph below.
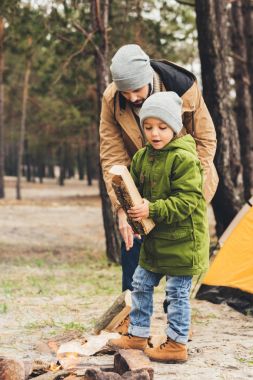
(121, 137)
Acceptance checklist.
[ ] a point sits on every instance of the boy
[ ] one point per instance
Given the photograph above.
(168, 175)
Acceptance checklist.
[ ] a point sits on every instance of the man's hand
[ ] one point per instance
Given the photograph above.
(137, 213)
(125, 229)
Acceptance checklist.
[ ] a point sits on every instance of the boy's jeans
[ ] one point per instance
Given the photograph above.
(177, 296)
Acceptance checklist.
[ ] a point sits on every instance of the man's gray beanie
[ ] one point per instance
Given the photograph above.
(131, 68)
(166, 106)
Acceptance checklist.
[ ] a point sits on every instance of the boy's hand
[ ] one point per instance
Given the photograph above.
(125, 229)
(139, 212)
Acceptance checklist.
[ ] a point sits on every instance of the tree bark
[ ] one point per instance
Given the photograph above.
(247, 9)
(100, 24)
(243, 108)
(213, 50)
(1, 109)
(23, 127)
(89, 156)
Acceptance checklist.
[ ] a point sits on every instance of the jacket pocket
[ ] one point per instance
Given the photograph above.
(180, 233)
(173, 248)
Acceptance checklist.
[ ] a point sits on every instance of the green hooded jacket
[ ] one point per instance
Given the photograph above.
(171, 179)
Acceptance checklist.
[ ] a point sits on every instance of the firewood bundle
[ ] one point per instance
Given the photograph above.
(129, 196)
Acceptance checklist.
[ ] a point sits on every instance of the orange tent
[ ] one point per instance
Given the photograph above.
(230, 277)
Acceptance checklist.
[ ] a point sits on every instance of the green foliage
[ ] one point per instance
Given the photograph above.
(8, 7)
(62, 104)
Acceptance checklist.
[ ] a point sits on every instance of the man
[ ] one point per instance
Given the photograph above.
(135, 77)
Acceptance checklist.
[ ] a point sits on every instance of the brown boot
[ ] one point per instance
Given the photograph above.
(122, 328)
(128, 341)
(168, 352)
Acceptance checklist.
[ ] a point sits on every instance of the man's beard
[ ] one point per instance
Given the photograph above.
(139, 103)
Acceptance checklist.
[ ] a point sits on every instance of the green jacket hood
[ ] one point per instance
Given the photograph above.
(185, 142)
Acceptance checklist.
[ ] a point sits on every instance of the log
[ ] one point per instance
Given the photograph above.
(138, 374)
(128, 196)
(104, 368)
(116, 313)
(96, 374)
(11, 369)
(132, 360)
(58, 375)
(16, 369)
(39, 368)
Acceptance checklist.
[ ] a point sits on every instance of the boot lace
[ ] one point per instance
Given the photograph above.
(128, 335)
(163, 345)
(150, 344)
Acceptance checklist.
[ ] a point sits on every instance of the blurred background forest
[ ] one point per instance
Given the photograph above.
(54, 60)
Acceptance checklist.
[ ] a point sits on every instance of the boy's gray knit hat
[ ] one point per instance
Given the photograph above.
(131, 68)
(166, 106)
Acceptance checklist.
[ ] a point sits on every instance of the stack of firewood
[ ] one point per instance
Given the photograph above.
(128, 365)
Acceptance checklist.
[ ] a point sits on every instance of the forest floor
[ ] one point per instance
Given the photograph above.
(55, 282)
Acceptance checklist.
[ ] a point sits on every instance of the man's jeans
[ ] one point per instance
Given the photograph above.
(177, 296)
(129, 262)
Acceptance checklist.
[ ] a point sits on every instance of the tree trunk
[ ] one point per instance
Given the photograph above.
(100, 23)
(63, 165)
(213, 50)
(62, 176)
(1, 109)
(33, 173)
(243, 108)
(41, 171)
(28, 171)
(89, 156)
(247, 9)
(22, 130)
(89, 166)
(11, 159)
(80, 163)
(27, 159)
(50, 169)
